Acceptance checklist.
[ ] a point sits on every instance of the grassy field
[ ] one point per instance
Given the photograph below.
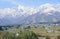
(30, 32)
(42, 31)
(17, 34)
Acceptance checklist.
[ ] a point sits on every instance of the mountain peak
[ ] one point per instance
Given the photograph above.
(48, 8)
(46, 12)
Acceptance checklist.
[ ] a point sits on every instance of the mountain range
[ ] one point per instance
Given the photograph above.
(22, 14)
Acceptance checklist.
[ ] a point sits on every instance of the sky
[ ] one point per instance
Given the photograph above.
(29, 3)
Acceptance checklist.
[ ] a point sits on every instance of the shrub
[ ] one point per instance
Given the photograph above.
(47, 37)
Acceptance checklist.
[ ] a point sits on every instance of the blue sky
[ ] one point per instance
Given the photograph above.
(30, 3)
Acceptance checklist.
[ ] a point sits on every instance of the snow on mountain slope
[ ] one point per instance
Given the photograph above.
(21, 13)
(48, 8)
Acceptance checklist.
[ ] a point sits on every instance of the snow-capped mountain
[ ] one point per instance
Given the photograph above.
(22, 14)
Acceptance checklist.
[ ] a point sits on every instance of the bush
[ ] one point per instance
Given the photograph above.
(58, 37)
(23, 34)
(47, 37)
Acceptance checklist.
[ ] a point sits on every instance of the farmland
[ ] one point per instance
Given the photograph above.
(50, 31)
(30, 32)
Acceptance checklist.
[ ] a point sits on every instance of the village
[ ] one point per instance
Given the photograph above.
(42, 31)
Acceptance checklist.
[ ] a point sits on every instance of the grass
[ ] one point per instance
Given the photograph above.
(22, 34)
(43, 31)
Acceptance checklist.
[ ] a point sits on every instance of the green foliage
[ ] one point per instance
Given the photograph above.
(47, 37)
(22, 34)
(58, 37)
